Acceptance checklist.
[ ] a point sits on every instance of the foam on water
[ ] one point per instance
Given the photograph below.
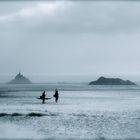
(109, 125)
(13, 131)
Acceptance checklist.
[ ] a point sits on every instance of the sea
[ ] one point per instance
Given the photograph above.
(82, 112)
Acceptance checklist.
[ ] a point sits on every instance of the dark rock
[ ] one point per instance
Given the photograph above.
(20, 79)
(111, 81)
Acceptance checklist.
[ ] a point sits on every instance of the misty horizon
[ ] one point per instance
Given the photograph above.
(67, 78)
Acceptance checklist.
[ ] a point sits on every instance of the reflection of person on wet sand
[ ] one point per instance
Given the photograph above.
(56, 95)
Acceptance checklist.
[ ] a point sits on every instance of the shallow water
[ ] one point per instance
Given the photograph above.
(83, 112)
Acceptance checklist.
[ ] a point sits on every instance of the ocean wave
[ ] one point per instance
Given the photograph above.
(32, 114)
(7, 114)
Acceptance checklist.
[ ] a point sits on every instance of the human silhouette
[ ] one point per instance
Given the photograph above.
(56, 95)
(43, 97)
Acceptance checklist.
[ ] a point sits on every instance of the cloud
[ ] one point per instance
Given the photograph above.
(42, 9)
(35, 10)
(74, 17)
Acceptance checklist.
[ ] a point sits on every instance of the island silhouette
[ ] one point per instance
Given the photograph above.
(20, 79)
(111, 81)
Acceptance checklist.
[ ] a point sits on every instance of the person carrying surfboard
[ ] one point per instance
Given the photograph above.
(43, 97)
(56, 95)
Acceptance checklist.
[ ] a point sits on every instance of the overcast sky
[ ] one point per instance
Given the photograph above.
(69, 39)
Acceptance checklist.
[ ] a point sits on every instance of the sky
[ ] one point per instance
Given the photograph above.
(69, 41)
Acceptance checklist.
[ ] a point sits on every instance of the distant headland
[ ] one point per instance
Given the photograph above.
(111, 81)
(20, 79)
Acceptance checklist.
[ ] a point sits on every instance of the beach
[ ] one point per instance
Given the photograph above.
(82, 112)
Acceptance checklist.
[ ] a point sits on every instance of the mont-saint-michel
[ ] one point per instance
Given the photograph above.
(20, 79)
(111, 81)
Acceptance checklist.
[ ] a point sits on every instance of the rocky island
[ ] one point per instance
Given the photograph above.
(20, 79)
(111, 81)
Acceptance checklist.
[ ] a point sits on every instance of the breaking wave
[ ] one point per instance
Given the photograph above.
(32, 114)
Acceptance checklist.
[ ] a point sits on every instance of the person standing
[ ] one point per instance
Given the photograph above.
(56, 95)
(43, 97)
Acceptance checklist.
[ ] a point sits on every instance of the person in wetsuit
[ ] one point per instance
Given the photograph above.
(56, 95)
(43, 97)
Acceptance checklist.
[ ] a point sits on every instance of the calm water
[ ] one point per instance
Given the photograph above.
(83, 112)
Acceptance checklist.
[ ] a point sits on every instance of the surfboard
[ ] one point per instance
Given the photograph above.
(45, 98)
